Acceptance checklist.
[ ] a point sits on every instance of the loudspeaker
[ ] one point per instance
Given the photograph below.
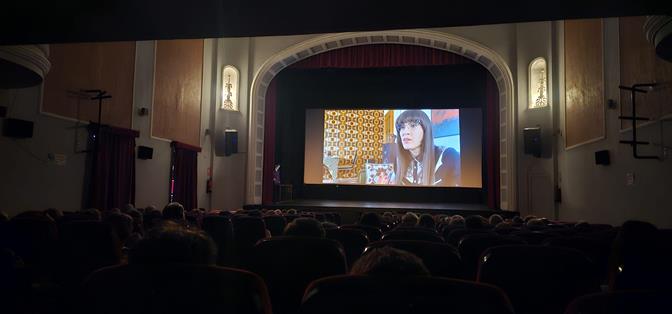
(230, 142)
(18, 128)
(145, 152)
(532, 141)
(602, 158)
(3, 112)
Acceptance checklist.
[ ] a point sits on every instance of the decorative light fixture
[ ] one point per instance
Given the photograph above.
(230, 88)
(538, 84)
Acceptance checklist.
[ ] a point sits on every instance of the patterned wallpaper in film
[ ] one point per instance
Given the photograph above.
(350, 133)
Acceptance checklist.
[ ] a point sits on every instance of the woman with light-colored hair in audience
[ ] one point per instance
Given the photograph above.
(495, 219)
(410, 219)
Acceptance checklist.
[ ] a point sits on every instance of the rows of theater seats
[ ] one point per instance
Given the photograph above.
(86, 262)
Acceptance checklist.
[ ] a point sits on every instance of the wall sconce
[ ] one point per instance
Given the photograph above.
(538, 84)
(230, 84)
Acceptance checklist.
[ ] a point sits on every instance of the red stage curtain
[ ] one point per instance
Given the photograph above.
(112, 176)
(269, 143)
(382, 56)
(184, 174)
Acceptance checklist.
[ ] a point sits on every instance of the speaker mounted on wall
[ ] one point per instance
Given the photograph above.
(18, 128)
(532, 141)
(145, 152)
(602, 158)
(230, 142)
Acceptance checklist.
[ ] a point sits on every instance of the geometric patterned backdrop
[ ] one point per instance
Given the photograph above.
(350, 133)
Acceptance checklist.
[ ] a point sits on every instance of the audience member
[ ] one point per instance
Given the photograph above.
(426, 221)
(389, 262)
(305, 227)
(495, 219)
(535, 224)
(291, 211)
(90, 214)
(55, 214)
(174, 243)
(122, 225)
(174, 211)
(474, 222)
(409, 219)
(456, 220)
(371, 219)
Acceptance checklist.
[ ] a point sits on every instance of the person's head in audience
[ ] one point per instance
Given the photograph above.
(409, 219)
(582, 226)
(504, 225)
(495, 219)
(127, 208)
(535, 224)
(389, 262)
(328, 225)
(3, 217)
(55, 214)
(90, 214)
(371, 219)
(456, 220)
(291, 211)
(137, 219)
(173, 243)
(529, 217)
(426, 221)
(174, 211)
(277, 212)
(151, 208)
(305, 227)
(122, 225)
(474, 222)
(517, 220)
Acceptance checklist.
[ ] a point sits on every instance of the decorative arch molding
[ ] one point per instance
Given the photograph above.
(432, 39)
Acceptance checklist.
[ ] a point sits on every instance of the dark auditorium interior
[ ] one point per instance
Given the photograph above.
(262, 157)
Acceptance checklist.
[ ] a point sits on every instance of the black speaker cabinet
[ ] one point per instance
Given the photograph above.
(230, 142)
(145, 152)
(3, 112)
(18, 128)
(532, 141)
(602, 158)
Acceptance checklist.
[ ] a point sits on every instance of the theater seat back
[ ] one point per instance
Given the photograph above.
(539, 279)
(441, 259)
(289, 264)
(175, 288)
(426, 295)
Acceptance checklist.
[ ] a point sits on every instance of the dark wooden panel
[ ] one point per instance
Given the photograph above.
(106, 66)
(176, 113)
(639, 64)
(584, 82)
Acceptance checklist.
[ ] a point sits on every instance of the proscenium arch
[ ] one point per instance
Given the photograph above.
(432, 39)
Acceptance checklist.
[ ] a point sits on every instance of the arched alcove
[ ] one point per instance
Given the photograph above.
(437, 40)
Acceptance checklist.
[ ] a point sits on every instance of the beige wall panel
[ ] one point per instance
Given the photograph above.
(178, 75)
(75, 67)
(584, 82)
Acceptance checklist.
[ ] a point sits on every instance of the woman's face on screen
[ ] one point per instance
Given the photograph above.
(411, 134)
